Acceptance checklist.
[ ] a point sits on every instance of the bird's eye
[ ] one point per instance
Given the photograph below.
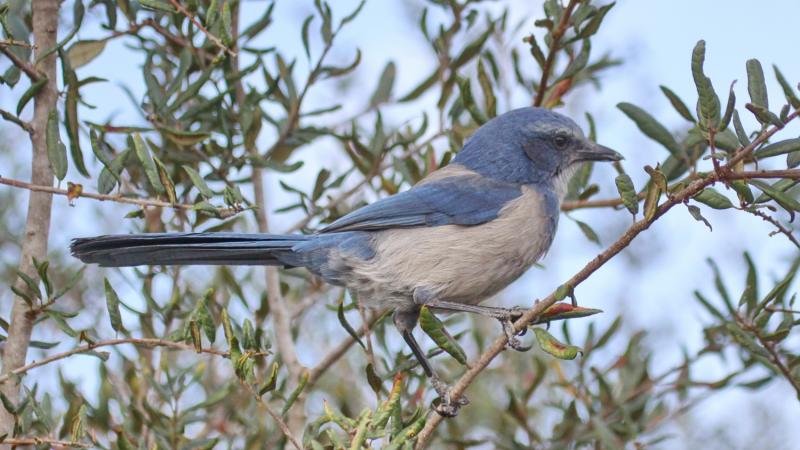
(560, 141)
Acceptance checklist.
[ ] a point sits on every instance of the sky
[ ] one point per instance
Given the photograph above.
(655, 38)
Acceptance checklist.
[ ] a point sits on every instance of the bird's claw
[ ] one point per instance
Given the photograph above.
(511, 337)
(448, 406)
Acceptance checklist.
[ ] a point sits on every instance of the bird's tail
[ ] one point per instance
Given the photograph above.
(187, 249)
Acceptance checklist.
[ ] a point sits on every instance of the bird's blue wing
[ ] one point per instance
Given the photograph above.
(458, 200)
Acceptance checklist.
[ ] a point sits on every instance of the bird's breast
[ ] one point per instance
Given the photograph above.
(463, 263)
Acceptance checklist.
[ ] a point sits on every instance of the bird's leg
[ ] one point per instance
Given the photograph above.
(405, 321)
(506, 316)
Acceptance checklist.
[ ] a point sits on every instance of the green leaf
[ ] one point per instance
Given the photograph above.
(793, 160)
(651, 127)
(271, 381)
(469, 102)
(678, 104)
(184, 138)
(698, 215)
(778, 148)
(488, 94)
(714, 199)
(784, 200)
(627, 192)
(71, 117)
(199, 182)
(564, 310)
(304, 33)
(580, 61)
(791, 97)
(384, 90)
(374, 380)
(100, 153)
(421, 88)
(110, 175)
(83, 52)
(750, 292)
(756, 85)
(708, 101)
(651, 198)
(346, 325)
(296, 392)
(166, 180)
(56, 151)
(61, 323)
(434, 328)
(157, 5)
(471, 50)
(553, 347)
(729, 108)
(740, 133)
(112, 303)
(588, 231)
(30, 93)
(149, 166)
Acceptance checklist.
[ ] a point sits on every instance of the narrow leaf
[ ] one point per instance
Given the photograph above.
(112, 303)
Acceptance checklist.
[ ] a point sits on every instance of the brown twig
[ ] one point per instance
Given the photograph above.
(15, 43)
(340, 349)
(144, 342)
(227, 212)
(217, 41)
(779, 227)
(24, 66)
(774, 357)
(557, 34)
(17, 121)
(275, 416)
(591, 267)
(53, 443)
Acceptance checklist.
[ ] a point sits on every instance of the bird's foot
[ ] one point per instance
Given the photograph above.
(448, 406)
(511, 337)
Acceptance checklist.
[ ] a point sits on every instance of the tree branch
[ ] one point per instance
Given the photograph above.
(557, 34)
(45, 14)
(143, 342)
(591, 267)
(53, 443)
(341, 349)
(225, 212)
(217, 41)
(24, 66)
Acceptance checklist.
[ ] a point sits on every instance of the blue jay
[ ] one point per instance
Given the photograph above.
(454, 239)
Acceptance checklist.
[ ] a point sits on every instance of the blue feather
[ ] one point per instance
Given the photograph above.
(458, 200)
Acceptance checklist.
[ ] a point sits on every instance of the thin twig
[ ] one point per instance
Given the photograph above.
(591, 267)
(339, 350)
(276, 417)
(226, 212)
(774, 357)
(557, 34)
(24, 66)
(144, 342)
(53, 443)
(15, 43)
(17, 121)
(779, 227)
(217, 41)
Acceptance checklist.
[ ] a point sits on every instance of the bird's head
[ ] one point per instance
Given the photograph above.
(530, 145)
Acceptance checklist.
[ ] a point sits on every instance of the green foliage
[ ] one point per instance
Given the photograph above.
(220, 107)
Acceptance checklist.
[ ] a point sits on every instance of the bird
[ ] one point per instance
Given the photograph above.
(454, 239)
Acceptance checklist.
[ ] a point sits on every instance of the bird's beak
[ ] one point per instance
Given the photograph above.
(597, 152)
